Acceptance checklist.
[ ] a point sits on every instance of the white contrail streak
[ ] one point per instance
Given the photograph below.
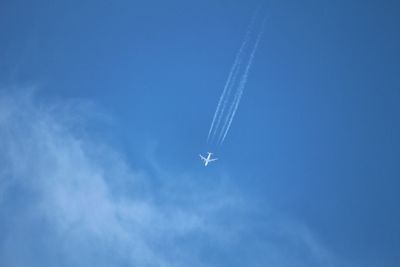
(239, 92)
(228, 86)
(226, 99)
(230, 83)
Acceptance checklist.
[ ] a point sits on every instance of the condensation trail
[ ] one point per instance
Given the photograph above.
(228, 87)
(231, 81)
(239, 92)
(226, 99)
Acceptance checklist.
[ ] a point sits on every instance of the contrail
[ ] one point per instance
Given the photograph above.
(239, 92)
(228, 86)
(230, 83)
(227, 98)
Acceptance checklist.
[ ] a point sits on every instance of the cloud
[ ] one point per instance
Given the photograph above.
(68, 199)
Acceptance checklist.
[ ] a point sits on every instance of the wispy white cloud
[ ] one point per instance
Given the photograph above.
(69, 200)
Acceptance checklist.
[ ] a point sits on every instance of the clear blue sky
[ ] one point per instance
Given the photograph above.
(105, 106)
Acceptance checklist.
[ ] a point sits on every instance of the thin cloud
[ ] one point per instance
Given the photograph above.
(66, 199)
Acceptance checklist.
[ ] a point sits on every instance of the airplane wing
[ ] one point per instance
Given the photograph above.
(203, 158)
(212, 160)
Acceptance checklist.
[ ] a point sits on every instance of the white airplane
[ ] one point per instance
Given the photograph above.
(208, 159)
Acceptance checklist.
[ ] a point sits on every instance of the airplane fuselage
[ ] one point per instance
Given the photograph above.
(207, 159)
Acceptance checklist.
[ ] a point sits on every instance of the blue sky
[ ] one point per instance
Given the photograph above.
(105, 106)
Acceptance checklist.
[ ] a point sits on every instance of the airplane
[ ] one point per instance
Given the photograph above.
(208, 159)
